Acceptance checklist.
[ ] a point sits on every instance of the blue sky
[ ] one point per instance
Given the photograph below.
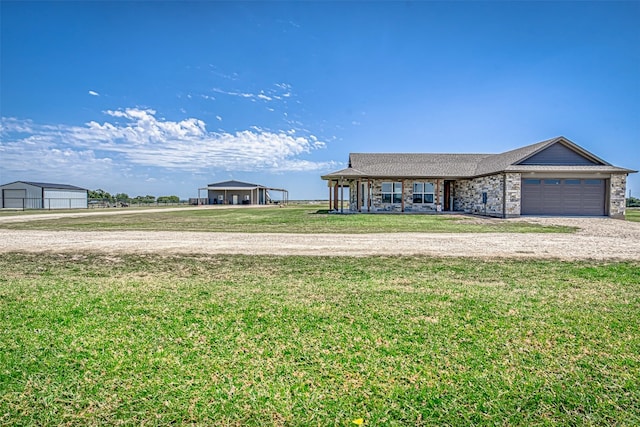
(161, 98)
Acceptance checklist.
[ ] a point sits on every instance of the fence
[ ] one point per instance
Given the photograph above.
(46, 203)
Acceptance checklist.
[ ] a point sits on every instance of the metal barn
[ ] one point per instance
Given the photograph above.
(241, 193)
(41, 195)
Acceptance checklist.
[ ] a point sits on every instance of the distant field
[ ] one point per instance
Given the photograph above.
(633, 214)
(291, 219)
(252, 341)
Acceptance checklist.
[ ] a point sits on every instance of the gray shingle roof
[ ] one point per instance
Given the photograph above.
(438, 165)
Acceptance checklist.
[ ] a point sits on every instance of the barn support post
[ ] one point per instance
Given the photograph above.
(341, 196)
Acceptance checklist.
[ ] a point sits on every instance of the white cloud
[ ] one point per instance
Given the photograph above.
(138, 138)
(93, 93)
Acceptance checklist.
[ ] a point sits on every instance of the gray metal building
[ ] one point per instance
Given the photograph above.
(42, 195)
(241, 193)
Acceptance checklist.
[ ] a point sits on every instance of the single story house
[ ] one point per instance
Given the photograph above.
(42, 195)
(553, 177)
(240, 193)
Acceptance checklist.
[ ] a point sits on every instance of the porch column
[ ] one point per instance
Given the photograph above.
(358, 195)
(335, 195)
(341, 196)
(401, 195)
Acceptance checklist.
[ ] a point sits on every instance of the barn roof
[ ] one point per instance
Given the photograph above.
(233, 184)
(50, 185)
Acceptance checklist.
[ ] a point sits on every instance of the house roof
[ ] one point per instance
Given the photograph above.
(233, 184)
(440, 165)
(50, 185)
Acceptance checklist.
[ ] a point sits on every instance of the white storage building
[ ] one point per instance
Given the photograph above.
(42, 195)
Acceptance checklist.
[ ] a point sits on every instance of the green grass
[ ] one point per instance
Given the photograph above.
(292, 219)
(632, 214)
(240, 340)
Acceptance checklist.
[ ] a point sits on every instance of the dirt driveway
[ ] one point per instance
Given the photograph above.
(598, 239)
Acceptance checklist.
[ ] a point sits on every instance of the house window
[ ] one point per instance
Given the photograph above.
(422, 192)
(391, 192)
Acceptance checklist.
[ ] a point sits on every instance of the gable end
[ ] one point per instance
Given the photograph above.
(561, 155)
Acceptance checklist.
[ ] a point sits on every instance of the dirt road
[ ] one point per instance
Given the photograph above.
(598, 239)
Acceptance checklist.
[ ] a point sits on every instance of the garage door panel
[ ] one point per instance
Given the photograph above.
(563, 197)
(14, 198)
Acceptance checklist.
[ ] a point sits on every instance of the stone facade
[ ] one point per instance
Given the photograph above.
(512, 195)
(377, 205)
(503, 196)
(469, 195)
(617, 198)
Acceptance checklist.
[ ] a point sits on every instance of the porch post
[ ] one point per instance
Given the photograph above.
(329, 195)
(358, 195)
(402, 195)
(335, 196)
(341, 196)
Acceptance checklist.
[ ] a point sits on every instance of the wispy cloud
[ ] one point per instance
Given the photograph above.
(275, 93)
(93, 93)
(137, 137)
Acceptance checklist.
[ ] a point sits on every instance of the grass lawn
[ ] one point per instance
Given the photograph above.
(632, 214)
(292, 219)
(253, 341)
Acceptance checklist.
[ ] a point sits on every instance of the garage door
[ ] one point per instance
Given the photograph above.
(553, 196)
(13, 198)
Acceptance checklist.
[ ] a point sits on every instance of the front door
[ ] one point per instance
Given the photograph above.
(447, 196)
(364, 197)
(235, 199)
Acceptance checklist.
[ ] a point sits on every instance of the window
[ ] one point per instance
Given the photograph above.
(391, 192)
(532, 181)
(572, 181)
(593, 181)
(552, 181)
(422, 192)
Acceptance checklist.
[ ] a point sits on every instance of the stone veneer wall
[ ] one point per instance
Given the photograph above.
(407, 195)
(617, 190)
(513, 194)
(468, 195)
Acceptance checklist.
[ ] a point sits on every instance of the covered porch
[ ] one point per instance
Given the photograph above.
(351, 193)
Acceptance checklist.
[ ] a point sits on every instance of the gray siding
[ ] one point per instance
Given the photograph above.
(558, 154)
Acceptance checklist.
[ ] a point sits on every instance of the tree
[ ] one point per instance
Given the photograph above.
(122, 197)
(633, 202)
(168, 199)
(100, 194)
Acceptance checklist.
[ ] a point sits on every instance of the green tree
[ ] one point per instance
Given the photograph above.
(122, 197)
(100, 194)
(168, 199)
(633, 202)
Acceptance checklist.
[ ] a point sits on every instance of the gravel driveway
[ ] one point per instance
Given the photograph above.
(598, 239)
